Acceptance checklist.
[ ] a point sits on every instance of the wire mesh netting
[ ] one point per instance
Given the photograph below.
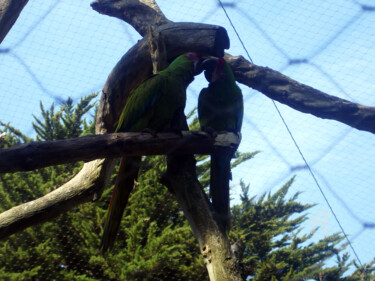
(63, 49)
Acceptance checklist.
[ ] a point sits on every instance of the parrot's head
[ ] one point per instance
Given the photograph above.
(185, 66)
(214, 69)
(196, 58)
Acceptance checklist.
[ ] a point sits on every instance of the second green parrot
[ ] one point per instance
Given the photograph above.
(155, 104)
(220, 108)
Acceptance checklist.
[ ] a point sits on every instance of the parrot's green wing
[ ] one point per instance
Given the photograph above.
(140, 103)
(154, 102)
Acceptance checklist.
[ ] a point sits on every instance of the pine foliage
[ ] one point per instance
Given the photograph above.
(155, 241)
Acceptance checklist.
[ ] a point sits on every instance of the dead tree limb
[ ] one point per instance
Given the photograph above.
(75, 192)
(301, 97)
(130, 11)
(9, 13)
(36, 155)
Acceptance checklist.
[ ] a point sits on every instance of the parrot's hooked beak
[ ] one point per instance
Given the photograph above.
(205, 64)
(209, 66)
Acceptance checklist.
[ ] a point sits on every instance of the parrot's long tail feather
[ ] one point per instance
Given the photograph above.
(219, 187)
(127, 174)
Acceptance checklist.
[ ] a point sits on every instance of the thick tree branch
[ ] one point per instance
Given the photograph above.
(130, 11)
(301, 97)
(181, 180)
(79, 190)
(9, 13)
(82, 188)
(35, 155)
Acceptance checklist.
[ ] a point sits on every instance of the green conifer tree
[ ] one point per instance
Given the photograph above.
(155, 241)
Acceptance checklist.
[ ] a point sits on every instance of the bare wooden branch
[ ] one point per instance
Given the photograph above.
(35, 155)
(130, 11)
(9, 13)
(80, 189)
(301, 97)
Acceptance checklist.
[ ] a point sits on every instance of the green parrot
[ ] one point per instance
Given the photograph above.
(220, 108)
(155, 104)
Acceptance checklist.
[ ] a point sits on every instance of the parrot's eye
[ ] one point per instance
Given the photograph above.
(193, 56)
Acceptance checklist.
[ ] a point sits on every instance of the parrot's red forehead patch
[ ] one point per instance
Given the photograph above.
(220, 63)
(193, 56)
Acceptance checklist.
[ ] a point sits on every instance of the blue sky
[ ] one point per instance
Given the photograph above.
(66, 50)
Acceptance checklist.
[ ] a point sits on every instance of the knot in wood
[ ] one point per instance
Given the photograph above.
(206, 254)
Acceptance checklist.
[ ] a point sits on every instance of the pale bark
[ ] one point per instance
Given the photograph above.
(79, 190)
(140, 14)
(181, 180)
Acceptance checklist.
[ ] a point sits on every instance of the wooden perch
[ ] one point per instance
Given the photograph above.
(35, 155)
(41, 154)
(301, 97)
